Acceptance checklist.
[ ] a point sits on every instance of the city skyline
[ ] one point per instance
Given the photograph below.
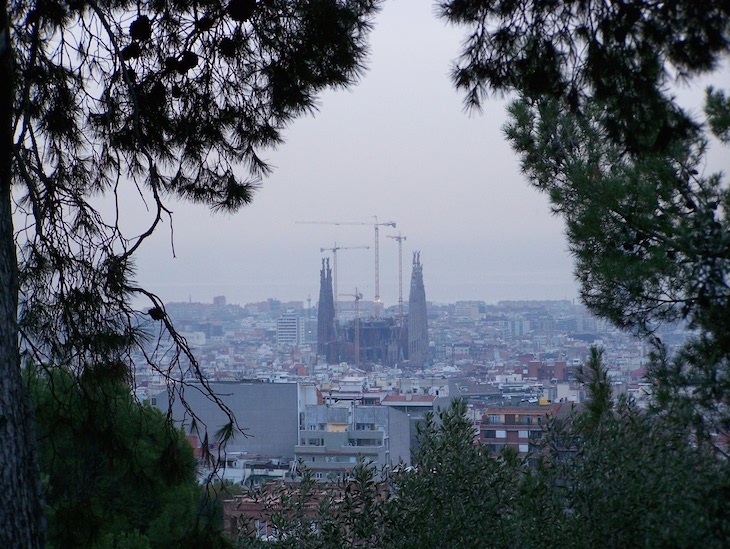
(399, 146)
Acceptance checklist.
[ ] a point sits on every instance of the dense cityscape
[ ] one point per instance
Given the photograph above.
(322, 385)
(172, 381)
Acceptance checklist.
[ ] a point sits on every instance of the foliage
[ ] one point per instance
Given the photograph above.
(210, 511)
(288, 514)
(351, 512)
(359, 513)
(718, 114)
(624, 478)
(618, 55)
(453, 481)
(594, 377)
(597, 129)
(636, 482)
(115, 474)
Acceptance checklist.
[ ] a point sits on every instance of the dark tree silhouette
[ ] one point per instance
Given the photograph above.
(597, 128)
(102, 100)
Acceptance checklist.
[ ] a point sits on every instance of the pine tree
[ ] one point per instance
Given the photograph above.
(597, 129)
(110, 467)
(160, 99)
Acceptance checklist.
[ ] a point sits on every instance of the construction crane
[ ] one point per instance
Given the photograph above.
(358, 296)
(400, 240)
(377, 226)
(334, 262)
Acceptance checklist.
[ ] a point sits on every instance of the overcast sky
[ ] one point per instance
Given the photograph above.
(398, 146)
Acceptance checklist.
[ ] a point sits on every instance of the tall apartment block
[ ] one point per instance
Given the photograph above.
(290, 329)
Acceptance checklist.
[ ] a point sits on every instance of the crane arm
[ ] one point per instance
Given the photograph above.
(386, 224)
(344, 248)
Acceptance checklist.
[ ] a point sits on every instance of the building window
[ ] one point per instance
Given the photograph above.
(523, 434)
(524, 448)
(490, 433)
(262, 529)
(365, 442)
(494, 419)
(501, 434)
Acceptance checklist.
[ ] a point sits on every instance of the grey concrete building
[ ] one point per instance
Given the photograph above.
(267, 412)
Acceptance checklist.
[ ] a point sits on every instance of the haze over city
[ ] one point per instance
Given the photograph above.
(398, 145)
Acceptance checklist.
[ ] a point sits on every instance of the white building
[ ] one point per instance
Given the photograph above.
(290, 329)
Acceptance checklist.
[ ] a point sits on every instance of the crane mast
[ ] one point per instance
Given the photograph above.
(358, 296)
(400, 240)
(376, 301)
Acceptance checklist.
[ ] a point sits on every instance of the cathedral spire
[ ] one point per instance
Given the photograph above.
(325, 313)
(417, 316)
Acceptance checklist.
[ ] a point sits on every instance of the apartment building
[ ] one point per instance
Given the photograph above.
(290, 329)
(332, 437)
(519, 427)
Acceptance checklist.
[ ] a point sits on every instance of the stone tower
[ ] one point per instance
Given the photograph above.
(417, 316)
(326, 313)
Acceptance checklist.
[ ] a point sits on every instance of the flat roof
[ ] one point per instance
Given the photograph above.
(409, 400)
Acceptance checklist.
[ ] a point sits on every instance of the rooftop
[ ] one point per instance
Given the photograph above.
(410, 400)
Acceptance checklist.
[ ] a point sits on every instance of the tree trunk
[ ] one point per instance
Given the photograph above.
(21, 503)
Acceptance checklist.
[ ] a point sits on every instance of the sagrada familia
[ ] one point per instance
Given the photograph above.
(399, 341)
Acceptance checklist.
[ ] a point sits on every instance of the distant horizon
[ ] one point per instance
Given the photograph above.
(235, 297)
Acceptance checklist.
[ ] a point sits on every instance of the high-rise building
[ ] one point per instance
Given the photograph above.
(290, 329)
(417, 316)
(326, 314)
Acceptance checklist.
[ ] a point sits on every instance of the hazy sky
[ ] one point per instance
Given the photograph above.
(397, 145)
